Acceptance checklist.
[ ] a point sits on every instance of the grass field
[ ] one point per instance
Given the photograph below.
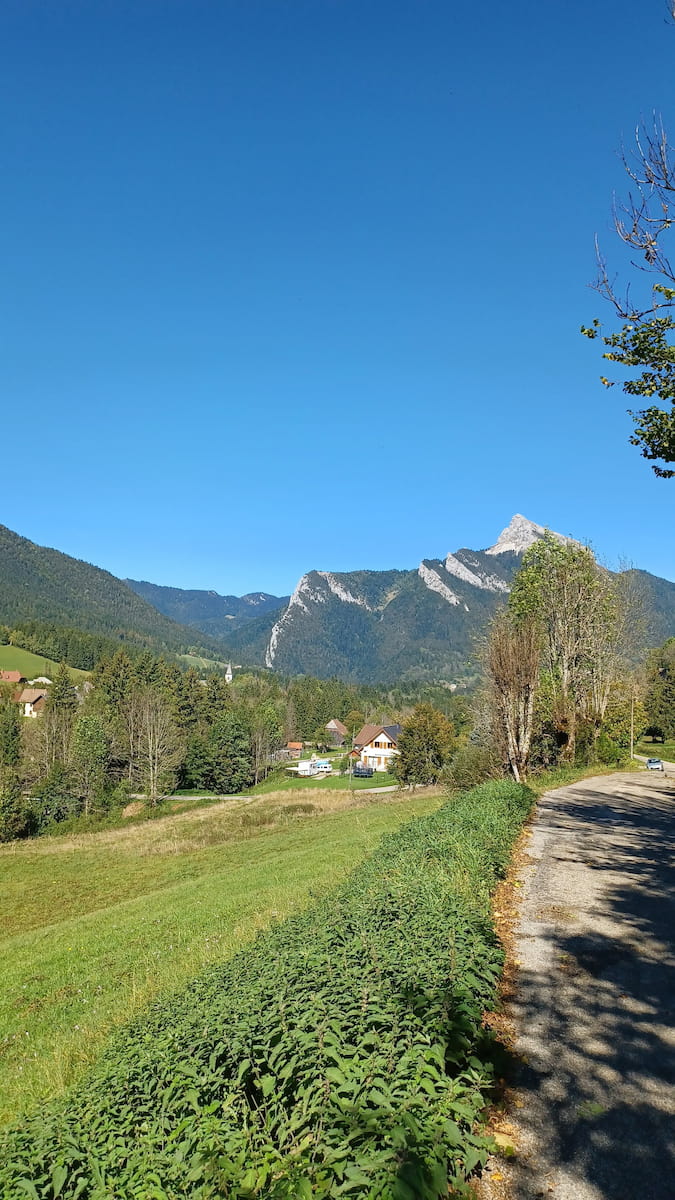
(13, 658)
(657, 750)
(202, 664)
(338, 782)
(95, 926)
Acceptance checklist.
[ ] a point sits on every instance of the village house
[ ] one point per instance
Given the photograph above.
(12, 677)
(337, 732)
(32, 701)
(376, 745)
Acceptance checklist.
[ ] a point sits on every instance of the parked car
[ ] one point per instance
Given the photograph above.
(654, 764)
(362, 772)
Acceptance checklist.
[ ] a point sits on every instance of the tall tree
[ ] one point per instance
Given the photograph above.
(561, 590)
(660, 694)
(424, 746)
(266, 737)
(10, 734)
(230, 752)
(157, 742)
(645, 340)
(512, 659)
(89, 752)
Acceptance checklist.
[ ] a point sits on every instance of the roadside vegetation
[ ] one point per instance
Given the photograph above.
(343, 1053)
(93, 927)
(665, 749)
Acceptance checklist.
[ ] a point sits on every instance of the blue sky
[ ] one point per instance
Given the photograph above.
(294, 284)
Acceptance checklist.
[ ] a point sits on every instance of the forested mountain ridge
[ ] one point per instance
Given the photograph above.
(386, 625)
(214, 614)
(41, 584)
(419, 625)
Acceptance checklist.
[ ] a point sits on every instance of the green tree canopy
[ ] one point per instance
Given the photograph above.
(425, 745)
(660, 695)
(645, 340)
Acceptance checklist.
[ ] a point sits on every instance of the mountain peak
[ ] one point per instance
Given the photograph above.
(520, 534)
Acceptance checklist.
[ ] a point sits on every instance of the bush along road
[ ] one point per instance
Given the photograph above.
(342, 1055)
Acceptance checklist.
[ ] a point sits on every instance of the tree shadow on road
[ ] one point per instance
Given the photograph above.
(597, 1014)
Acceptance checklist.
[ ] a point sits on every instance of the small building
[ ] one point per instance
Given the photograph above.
(337, 732)
(294, 749)
(12, 677)
(32, 701)
(377, 745)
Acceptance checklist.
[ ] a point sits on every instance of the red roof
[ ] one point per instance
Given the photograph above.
(294, 746)
(11, 677)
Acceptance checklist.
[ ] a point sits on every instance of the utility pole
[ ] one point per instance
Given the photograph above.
(632, 717)
(351, 764)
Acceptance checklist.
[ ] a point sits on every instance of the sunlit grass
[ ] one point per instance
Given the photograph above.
(657, 750)
(95, 926)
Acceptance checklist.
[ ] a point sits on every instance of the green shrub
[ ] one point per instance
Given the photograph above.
(342, 1055)
(608, 752)
(470, 766)
(18, 816)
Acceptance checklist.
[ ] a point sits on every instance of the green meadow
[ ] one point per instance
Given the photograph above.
(13, 658)
(93, 927)
(651, 749)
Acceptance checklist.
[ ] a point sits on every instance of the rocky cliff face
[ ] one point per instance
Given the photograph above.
(384, 626)
(387, 625)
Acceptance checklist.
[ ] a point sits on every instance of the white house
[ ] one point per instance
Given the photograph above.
(377, 745)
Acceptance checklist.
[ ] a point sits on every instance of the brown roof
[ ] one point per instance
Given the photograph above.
(366, 735)
(337, 726)
(369, 732)
(30, 695)
(11, 677)
(294, 746)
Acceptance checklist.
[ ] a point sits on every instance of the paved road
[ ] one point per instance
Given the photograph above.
(595, 1012)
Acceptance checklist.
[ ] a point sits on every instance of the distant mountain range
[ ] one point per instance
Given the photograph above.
(40, 584)
(216, 615)
(383, 625)
(371, 626)
(386, 625)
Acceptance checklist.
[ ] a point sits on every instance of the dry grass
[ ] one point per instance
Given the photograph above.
(199, 828)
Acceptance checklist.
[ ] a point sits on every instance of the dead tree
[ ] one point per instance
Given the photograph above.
(513, 657)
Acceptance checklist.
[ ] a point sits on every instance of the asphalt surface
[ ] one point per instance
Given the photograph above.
(594, 1111)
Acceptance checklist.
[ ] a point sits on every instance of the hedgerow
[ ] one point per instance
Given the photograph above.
(341, 1055)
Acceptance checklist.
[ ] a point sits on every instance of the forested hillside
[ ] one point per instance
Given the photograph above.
(214, 614)
(40, 584)
(420, 625)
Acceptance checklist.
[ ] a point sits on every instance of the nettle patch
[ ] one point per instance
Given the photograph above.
(341, 1055)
